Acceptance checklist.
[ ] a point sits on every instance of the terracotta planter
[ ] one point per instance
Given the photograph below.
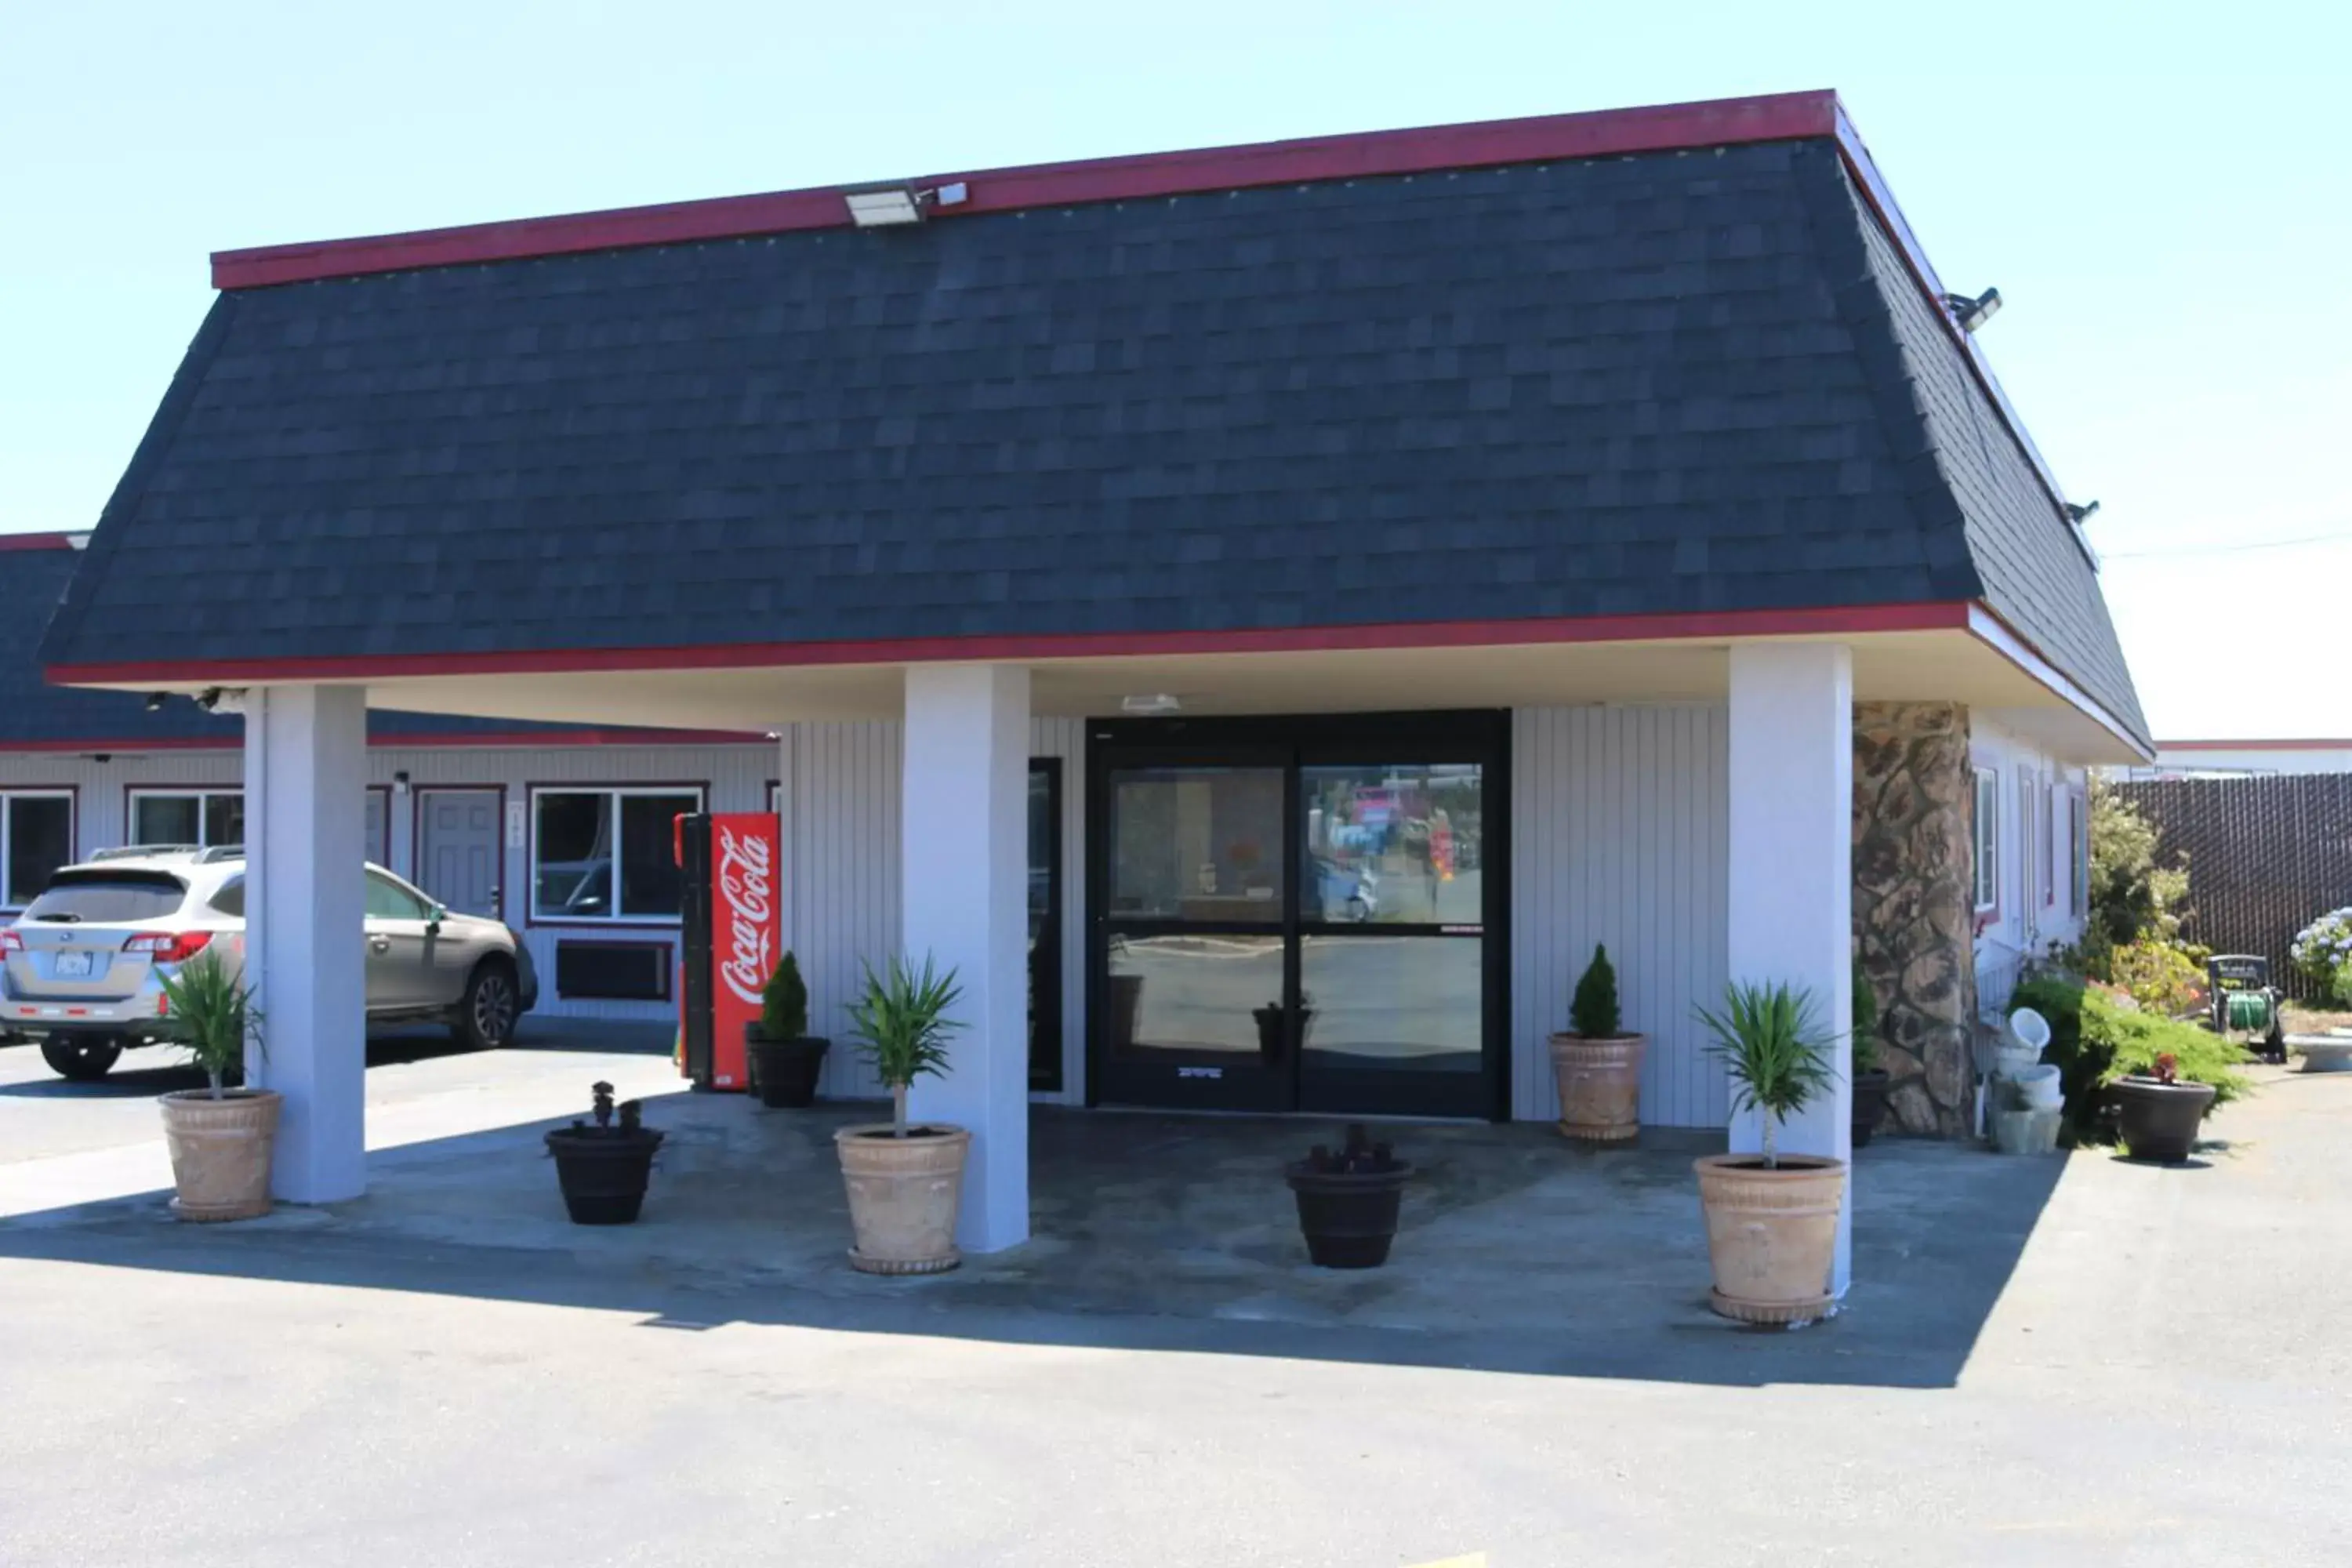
(1599, 1084)
(220, 1152)
(1869, 1104)
(903, 1195)
(1771, 1235)
(2159, 1121)
(785, 1072)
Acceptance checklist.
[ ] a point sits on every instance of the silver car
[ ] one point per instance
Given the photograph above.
(80, 967)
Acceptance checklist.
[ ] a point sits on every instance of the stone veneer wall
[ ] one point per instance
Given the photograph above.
(1913, 904)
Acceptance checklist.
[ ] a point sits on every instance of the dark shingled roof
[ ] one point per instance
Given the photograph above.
(1674, 382)
(32, 581)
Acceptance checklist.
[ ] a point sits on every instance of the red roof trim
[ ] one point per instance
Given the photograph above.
(1603, 133)
(1931, 616)
(35, 541)
(421, 742)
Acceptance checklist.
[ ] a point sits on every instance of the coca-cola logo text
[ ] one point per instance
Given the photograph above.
(747, 916)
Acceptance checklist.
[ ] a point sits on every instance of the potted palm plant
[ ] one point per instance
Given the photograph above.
(1870, 1080)
(220, 1138)
(1597, 1064)
(785, 1057)
(1771, 1219)
(905, 1181)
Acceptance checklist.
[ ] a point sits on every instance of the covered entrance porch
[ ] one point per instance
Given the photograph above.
(1394, 898)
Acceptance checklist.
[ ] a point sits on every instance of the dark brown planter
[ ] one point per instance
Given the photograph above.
(603, 1171)
(2159, 1121)
(786, 1071)
(1348, 1220)
(1869, 1103)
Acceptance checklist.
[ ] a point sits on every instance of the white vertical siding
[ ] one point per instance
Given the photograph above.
(1620, 822)
(840, 807)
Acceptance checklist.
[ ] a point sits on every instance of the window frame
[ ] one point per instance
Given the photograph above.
(1984, 828)
(619, 919)
(8, 798)
(2046, 844)
(2078, 817)
(201, 794)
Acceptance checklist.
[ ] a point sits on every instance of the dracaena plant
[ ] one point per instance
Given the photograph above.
(1772, 1044)
(901, 1026)
(214, 1015)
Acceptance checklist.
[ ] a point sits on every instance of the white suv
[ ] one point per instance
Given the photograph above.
(80, 967)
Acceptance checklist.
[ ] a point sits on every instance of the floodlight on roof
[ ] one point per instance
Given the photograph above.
(2082, 512)
(1973, 313)
(887, 207)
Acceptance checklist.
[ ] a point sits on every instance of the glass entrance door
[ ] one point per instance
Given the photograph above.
(1295, 914)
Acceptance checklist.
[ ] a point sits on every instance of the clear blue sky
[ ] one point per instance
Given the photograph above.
(2163, 195)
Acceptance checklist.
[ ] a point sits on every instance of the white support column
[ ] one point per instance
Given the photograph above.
(305, 772)
(965, 902)
(1791, 903)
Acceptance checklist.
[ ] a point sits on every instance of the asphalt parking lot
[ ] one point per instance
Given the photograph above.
(2155, 1379)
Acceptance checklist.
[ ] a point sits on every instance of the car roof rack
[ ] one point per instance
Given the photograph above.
(146, 851)
(220, 852)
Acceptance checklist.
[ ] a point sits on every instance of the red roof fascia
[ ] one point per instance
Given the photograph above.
(1601, 134)
(1843, 620)
(35, 541)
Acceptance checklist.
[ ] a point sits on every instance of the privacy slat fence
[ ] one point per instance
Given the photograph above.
(2265, 856)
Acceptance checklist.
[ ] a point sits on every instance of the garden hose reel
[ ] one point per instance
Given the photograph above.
(2246, 1005)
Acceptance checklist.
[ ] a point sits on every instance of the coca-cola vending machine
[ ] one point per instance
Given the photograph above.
(732, 934)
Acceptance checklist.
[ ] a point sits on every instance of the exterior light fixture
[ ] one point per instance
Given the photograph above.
(888, 206)
(400, 781)
(155, 700)
(2082, 513)
(1154, 702)
(1973, 313)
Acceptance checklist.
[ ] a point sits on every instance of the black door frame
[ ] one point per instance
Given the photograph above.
(1293, 743)
(1045, 955)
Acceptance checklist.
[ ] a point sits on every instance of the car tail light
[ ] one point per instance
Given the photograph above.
(11, 943)
(167, 947)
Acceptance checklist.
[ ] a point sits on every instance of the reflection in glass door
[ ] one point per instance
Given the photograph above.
(1368, 980)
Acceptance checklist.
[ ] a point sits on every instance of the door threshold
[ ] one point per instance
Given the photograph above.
(1367, 1117)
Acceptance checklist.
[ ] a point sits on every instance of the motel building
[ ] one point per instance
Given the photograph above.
(1282, 604)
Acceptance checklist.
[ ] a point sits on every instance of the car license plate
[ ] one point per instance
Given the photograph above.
(77, 965)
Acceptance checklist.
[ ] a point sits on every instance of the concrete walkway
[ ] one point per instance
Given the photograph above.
(2056, 1361)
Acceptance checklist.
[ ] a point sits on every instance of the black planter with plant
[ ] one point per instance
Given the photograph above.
(786, 1059)
(1349, 1202)
(1273, 1039)
(2158, 1115)
(603, 1168)
(1870, 1080)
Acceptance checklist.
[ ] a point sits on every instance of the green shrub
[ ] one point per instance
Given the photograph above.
(2160, 976)
(1592, 1014)
(1865, 1021)
(783, 1004)
(2094, 1040)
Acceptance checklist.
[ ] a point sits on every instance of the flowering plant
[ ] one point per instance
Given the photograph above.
(2322, 949)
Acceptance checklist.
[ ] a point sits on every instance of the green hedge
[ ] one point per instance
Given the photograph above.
(2094, 1042)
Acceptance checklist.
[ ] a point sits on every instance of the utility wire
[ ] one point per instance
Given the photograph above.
(2226, 549)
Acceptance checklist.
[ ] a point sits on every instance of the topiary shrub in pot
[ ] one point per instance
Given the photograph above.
(786, 1059)
(1771, 1219)
(1597, 1064)
(221, 1139)
(905, 1181)
(603, 1168)
(1870, 1080)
